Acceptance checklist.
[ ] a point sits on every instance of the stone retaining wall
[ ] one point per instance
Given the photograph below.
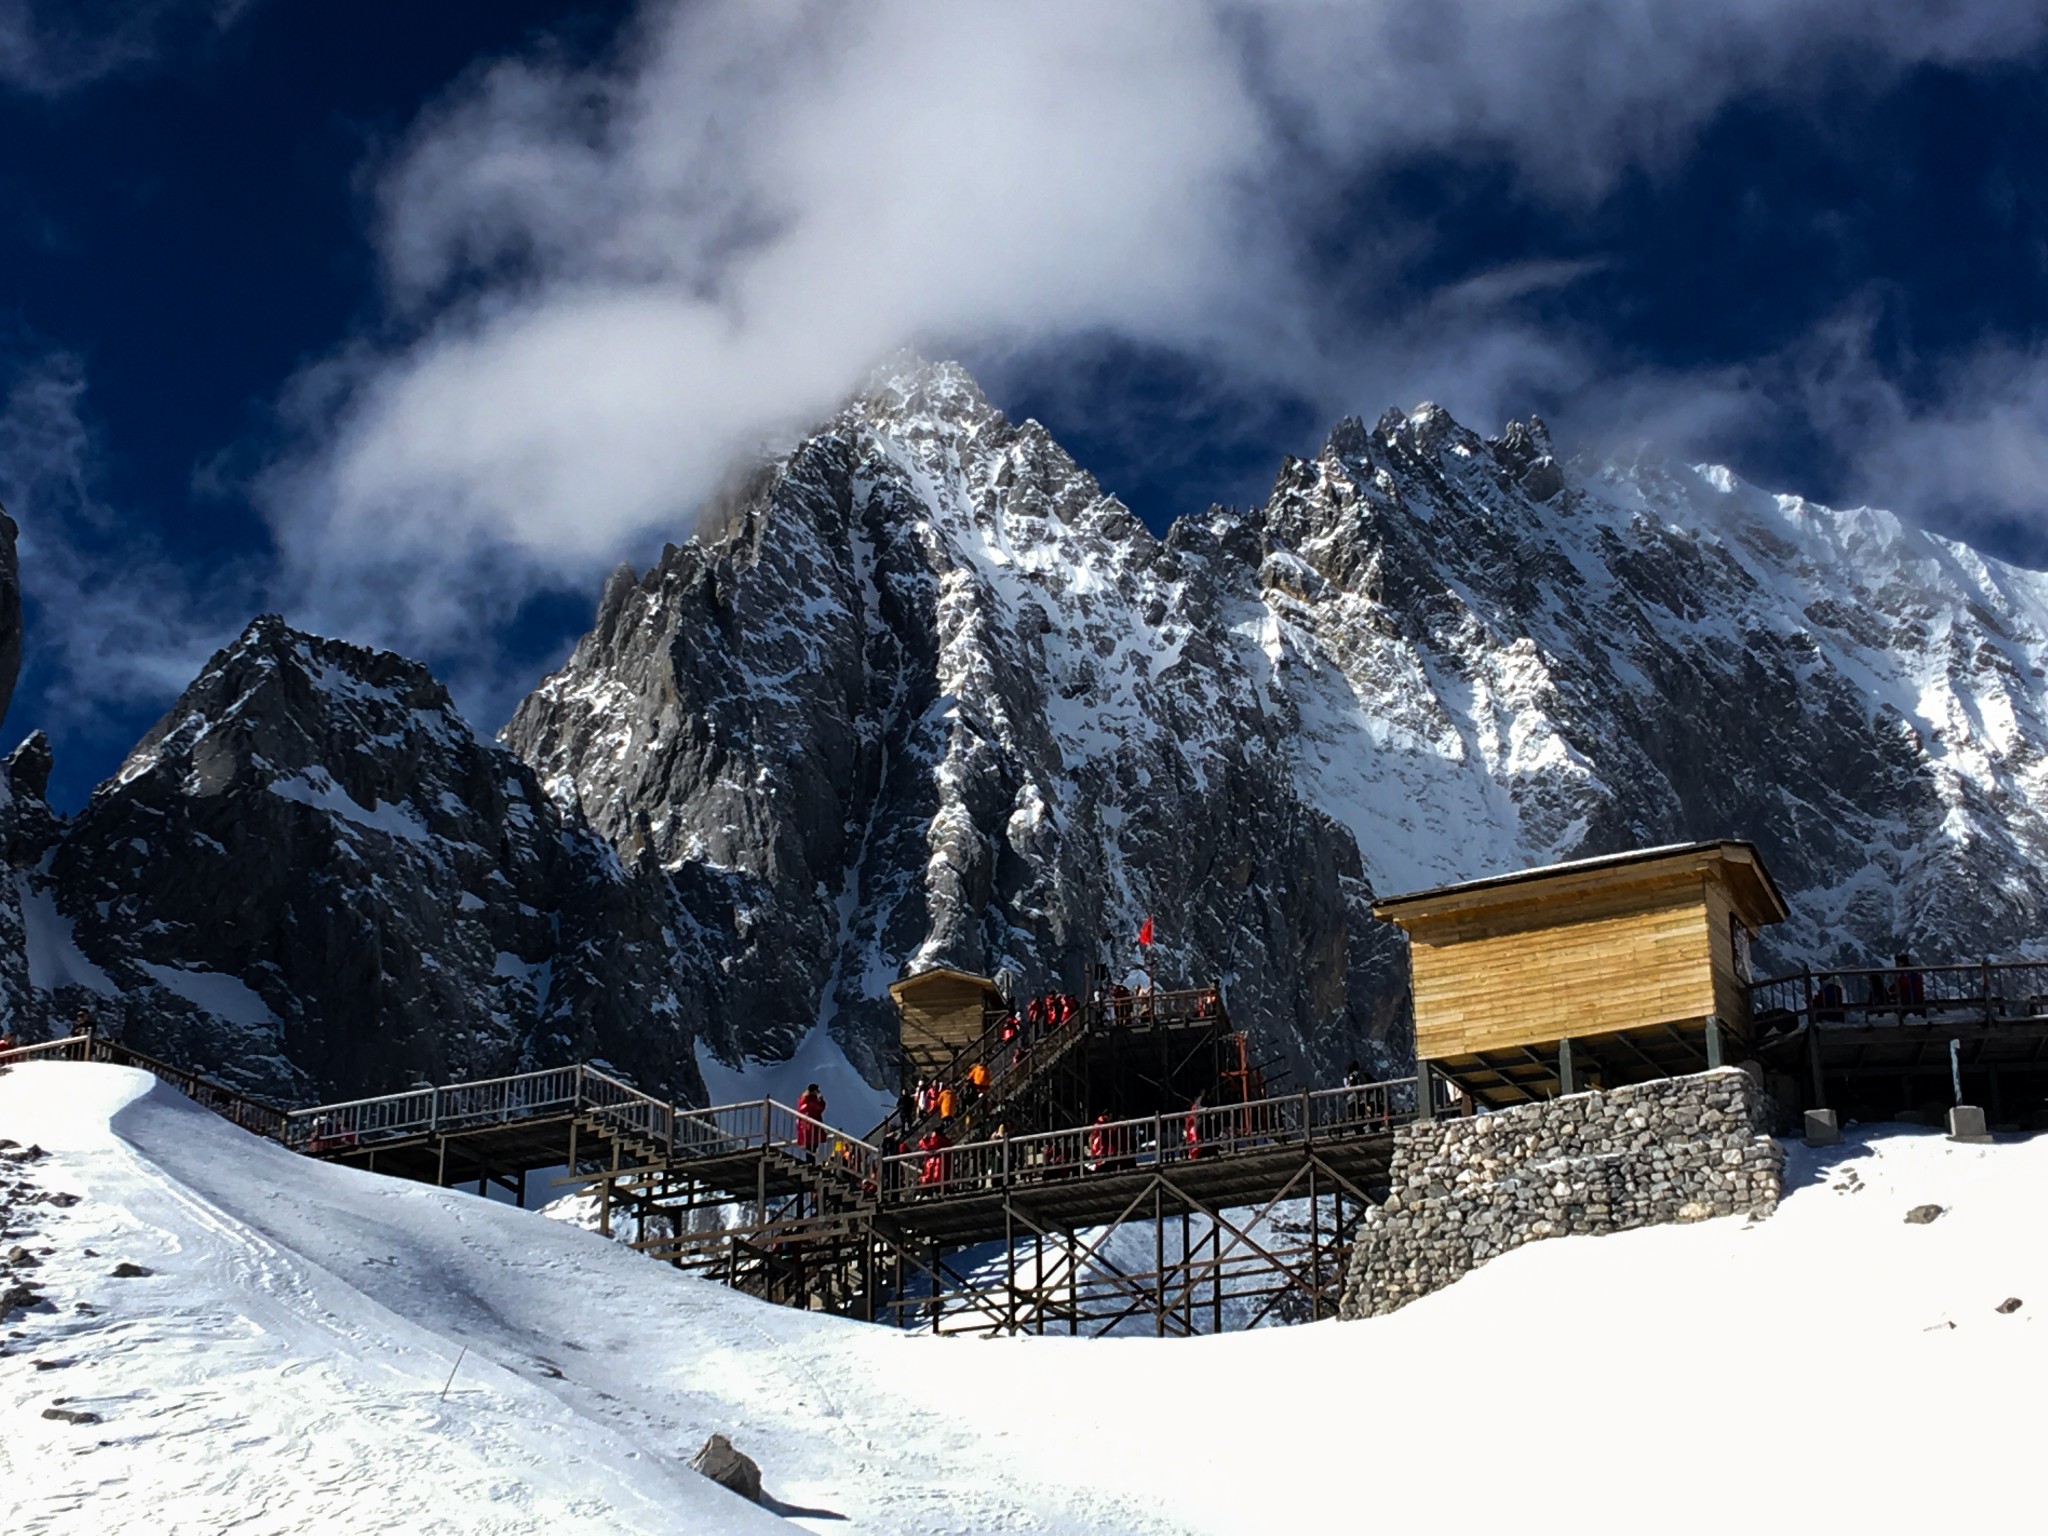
(1467, 1190)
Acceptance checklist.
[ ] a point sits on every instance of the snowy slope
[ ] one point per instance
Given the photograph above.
(281, 1368)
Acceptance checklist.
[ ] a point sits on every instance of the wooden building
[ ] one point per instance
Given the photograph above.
(942, 1012)
(1591, 973)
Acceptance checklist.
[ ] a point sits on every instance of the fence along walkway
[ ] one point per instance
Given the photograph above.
(657, 1131)
(209, 1093)
(1975, 992)
(729, 1134)
(1120, 1146)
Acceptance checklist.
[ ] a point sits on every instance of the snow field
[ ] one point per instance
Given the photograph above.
(280, 1370)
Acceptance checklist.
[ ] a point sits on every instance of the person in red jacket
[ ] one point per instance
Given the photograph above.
(810, 1135)
(1192, 1135)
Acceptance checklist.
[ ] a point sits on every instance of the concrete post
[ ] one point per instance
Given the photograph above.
(1713, 1043)
(1966, 1123)
(1822, 1130)
(1567, 1082)
(1425, 1095)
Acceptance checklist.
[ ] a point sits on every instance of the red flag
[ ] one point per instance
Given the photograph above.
(1145, 931)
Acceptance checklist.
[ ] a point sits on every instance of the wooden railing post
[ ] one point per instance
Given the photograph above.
(1986, 972)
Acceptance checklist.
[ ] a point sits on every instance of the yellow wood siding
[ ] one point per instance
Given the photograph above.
(940, 1014)
(1616, 960)
(1731, 997)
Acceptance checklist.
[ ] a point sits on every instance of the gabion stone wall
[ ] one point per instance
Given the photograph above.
(1467, 1190)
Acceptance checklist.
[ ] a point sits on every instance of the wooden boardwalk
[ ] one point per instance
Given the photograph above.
(798, 1210)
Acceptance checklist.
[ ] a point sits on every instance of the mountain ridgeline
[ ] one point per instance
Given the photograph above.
(921, 693)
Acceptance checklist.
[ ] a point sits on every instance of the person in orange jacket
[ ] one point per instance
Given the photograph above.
(948, 1101)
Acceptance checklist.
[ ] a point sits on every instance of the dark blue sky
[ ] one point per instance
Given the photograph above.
(190, 231)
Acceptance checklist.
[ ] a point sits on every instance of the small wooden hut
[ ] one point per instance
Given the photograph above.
(1596, 972)
(940, 1011)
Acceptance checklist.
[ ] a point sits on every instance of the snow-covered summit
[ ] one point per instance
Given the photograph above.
(923, 692)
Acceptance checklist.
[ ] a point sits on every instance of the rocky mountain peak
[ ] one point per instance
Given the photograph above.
(919, 692)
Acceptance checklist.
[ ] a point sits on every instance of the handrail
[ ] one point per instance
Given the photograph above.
(1980, 991)
(252, 1114)
(766, 1124)
(1148, 1140)
(1183, 1005)
(69, 1046)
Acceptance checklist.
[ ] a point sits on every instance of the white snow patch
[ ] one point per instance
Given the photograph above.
(850, 1103)
(303, 1319)
(315, 787)
(54, 958)
(224, 996)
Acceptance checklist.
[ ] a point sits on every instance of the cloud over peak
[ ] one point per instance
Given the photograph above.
(606, 279)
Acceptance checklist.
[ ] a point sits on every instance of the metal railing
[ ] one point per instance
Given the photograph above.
(667, 1134)
(657, 1129)
(1978, 991)
(1012, 1063)
(1150, 1141)
(249, 1113)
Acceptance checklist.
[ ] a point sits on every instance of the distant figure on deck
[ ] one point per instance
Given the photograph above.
(1354, 1079)
(906, 1108)
(1881, 995)
(810, 1135)
(1910, 987)
(977, 1081)
(1828, 1000)
(949, 1101)
(1191, 1133)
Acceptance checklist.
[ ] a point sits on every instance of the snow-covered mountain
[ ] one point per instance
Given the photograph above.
(313, 879)
(919, 691)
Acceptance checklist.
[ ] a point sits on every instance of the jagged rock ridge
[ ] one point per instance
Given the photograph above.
(921, 693)
(313, 879)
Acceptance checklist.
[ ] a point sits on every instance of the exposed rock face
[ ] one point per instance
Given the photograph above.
(925, 695)
(1466, 1191)
(920, 693)
(312, 879)
(1657, 654)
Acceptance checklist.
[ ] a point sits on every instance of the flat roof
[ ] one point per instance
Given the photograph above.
(1718, 847)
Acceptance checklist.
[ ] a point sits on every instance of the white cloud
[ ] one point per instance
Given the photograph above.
(48, 49)
(604, 281)
(113, 623)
